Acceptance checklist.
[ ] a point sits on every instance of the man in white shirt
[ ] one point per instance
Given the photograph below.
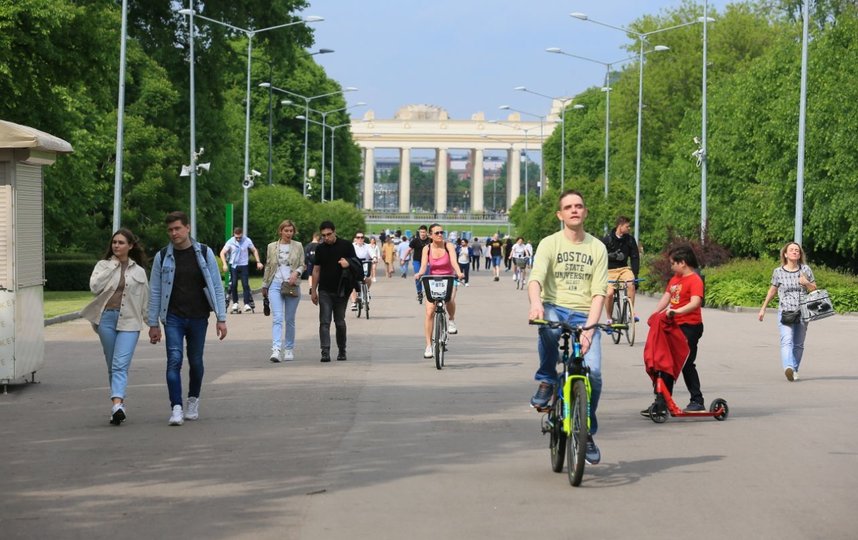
(235, 257)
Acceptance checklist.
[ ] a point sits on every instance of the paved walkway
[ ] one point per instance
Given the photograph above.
(385, 446)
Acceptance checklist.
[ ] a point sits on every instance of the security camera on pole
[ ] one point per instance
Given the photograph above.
(247, 183)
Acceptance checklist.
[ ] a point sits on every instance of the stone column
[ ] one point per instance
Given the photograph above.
(477, 180)
(513, 177)
(441, 180)
(368, 178)
(405, 180)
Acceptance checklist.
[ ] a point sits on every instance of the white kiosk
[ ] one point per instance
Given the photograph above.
(23, 153)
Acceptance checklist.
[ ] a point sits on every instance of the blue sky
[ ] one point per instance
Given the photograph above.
(468, 55)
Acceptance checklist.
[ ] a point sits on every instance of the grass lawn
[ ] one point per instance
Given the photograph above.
(63, 302)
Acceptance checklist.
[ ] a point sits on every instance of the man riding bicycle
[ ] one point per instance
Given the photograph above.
(623, 261)
(362, 252)
(568, 283)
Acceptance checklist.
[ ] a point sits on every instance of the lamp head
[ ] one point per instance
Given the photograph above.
(186, 11)
(313, 18)
(521, 88)
(286, 102)
(504, 107)
(707, 19)
(557, 50)
(660, 48)
(300, 117)
(349, 89)
(264, 85)
(325, 51)
(579, 15)
(578, 106)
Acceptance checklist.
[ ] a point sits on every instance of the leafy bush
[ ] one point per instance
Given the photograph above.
(68, 275)
(710, 254)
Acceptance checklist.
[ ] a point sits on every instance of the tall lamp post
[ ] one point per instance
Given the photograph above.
(642, 37)
(495, 183)
(250, 34)
(333, 153)
(120, 119)
(270, 120)
(307, 100)
(526, 131)
(541, 142)
(799, 186)
(324, 115)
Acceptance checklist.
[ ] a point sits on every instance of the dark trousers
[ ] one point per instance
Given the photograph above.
(236, 273)
(466, 271)
(475, 262)
(693, 333)
(331, 305)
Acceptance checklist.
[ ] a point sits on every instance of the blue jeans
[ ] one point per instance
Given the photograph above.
(792, 342)
(282, 308)
(236, 273)
(549, 355)
(415, 264)
(118, 348)
(178, 330)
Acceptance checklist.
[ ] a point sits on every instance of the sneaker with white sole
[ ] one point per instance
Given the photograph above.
(234, 308)
(428, 352)
(247, 308)
(790, 374)
(795, 376)
(177, 418)
(451, 328)
(117, 414)
(193, 412)
(275, 355)
(288, 355)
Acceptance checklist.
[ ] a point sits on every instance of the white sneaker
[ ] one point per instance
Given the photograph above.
(235, 307)
(275, 355)
(373, 280)
(795, 376)
(451, 328)
(177, 418)
(428, 352)
(247, 308)
(193, 409)
(288, 355)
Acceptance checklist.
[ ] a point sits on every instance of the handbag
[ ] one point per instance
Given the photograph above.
(816, 305)
(790, 317)
(287, 290)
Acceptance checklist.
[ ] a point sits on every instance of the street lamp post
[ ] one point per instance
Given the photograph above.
(525, 130)
(495, 183)
(642, 37)
(324, 115)
(802, 106)
(120, 119)
(333, 153)
(250, 34)
(307, 100)
(541, 143)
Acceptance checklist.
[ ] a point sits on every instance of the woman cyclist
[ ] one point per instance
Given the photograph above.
(439, 259)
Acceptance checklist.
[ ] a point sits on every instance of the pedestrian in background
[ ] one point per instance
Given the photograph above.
(476, 254)
(235, 257)
(790, 281)
(184, 288)
(404, 256)
(464, 257)
(281, 285)
(118, 310)
(387, 253)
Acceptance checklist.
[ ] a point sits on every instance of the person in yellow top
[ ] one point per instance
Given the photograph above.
(568, 283)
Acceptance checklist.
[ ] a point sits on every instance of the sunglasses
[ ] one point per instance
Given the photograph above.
(359, 237)
(441, 233)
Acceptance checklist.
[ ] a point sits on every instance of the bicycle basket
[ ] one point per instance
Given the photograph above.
(365, 268)
(438, 287)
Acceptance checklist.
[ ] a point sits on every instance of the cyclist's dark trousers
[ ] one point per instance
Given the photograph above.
(332, 305)
(693, 333)
(236, 273)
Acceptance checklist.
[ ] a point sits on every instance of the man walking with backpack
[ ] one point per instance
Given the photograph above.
(183, 289)
(332, 257)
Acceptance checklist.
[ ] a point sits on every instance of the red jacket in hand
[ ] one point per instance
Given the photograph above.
(666, 347)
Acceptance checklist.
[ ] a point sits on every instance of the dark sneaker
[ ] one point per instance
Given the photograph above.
(592, 455)
(420, 298)
(117, 415)
(266, 307)
(694, 407)
(542, 396)
(341, 356)
(645, 412)
(326, 355)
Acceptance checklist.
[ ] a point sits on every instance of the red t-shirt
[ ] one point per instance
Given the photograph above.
(681, 289)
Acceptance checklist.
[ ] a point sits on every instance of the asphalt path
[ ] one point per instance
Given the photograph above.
(384, 446)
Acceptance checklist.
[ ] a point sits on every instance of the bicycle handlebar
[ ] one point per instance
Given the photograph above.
(636, 280)
(578, 328)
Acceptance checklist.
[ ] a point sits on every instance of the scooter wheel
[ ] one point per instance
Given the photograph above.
(719, 408)
(658, 413)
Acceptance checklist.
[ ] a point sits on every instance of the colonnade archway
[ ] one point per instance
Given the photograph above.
(416, 128)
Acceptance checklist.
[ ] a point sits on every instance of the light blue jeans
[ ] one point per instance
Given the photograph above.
(282, 308)
(118, 348)
(549, 355)
(792, 342)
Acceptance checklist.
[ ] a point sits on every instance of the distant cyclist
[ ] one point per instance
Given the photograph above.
(521, 260)
(364, 253)
(438, 259)
(415, 248)
(623, 260)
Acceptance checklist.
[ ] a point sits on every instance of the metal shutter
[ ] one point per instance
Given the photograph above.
(29, 245)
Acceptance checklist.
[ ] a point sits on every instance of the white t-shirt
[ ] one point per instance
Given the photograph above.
(283, 268)
(363, 252)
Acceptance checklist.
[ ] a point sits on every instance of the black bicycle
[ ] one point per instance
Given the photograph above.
(567, 416)
(362, 295)
(439, 290)
(623, 312)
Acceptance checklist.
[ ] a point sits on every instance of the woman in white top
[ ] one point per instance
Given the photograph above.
(284, 263)
(376, 254)
(117, 313)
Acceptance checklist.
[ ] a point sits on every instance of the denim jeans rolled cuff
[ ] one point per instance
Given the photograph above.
(118, 347)
(332, 306)
(282, 310)
(792, 343)
(176, 331)
(549, 354)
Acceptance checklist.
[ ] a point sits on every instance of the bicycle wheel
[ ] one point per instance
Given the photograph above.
(438, 340)
(617, 317)
(359, 302)
(557, 444)
(629, 319)
(577, 443)
(366, 303)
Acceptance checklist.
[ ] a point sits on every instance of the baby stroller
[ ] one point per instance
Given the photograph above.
(664, 355)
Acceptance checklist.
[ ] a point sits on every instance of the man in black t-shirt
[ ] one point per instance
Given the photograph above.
(331, 259)
(415, 248)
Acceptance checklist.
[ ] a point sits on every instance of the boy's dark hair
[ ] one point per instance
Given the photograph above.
(684, 254)
(423, 228)
(567, 193)
(622, 220)
(176, 215)
(327, 225)
(238, 230)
